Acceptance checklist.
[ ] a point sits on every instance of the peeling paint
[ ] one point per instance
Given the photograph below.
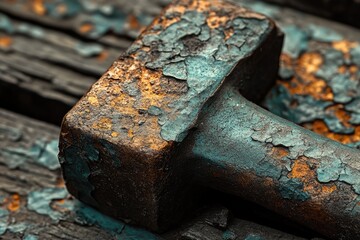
(43, 153)
(39, 201)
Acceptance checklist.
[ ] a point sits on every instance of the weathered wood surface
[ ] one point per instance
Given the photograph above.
(34, 202)
(346, 11)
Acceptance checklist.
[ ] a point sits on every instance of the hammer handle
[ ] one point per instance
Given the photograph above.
(242, 149)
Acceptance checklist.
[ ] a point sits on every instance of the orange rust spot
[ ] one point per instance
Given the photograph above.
(38, 7)
(61, 201)
(130, 133)
(5, 41)
(327, 189)
(320, 127)
(305, 82)
(344, 46)
(299, 169)
(60, 182)
(86, 27)
(93, 100)
(103, 123)
(133, 22)
(228, 33)
(203, 5)
(114, 134)
(215, 21)
(342, 69)
(307, 175)
(286, 59)
(61, 9)
(340, 113)
(279, 152)
(13, 203)
(103, 56)
(353, 69)
(310, 62)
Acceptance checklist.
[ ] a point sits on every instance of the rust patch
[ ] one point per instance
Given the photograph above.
(38, 7)
(304, 169)
(133, 22)
(279, 152)
(319, 127)
(5, 41)
(13, 203)
(86, 27)
(305, 82)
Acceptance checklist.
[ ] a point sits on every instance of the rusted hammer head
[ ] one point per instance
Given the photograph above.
(123, 146)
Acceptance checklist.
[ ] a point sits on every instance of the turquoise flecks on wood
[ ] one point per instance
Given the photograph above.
(296, 40)
(43, 153)
(39, 201)
(11, 133)
(43, 200)
(254, 237)
(30, 237)
(4, 215)
(228, 235)
(188, 50)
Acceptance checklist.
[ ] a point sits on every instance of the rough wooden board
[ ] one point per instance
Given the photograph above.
(346, 11)
(22, 173)
(42, 68)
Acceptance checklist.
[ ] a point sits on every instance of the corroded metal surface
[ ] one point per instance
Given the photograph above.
(346, 11)
(119, 144)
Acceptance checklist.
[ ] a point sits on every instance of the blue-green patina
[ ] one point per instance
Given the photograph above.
(189, 50)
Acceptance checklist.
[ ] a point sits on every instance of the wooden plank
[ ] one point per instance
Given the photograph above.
(346, 11)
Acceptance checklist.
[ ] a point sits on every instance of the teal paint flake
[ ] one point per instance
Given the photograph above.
(292, 189)
(228, 235)
(18, 227)
(155, 111)
(42, 153)
(88, 50)
(253, 236)
(296, 40)
(4, 218)
(30, 237)
(40, 201)
(89, 216)
(5, 24)
(355, 55)
(30, 30)
(263, 8)
(73, 7)
(133, 233)
(324, 34)
(188, 50)
(47, 154)
(11, 133)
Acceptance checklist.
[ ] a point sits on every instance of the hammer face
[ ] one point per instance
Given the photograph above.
(119, 146)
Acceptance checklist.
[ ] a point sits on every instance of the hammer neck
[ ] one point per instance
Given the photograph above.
(242, 149)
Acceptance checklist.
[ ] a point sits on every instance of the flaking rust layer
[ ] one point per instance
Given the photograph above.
(118, 146)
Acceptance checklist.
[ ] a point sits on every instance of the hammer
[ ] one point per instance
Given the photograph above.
(172, 116)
